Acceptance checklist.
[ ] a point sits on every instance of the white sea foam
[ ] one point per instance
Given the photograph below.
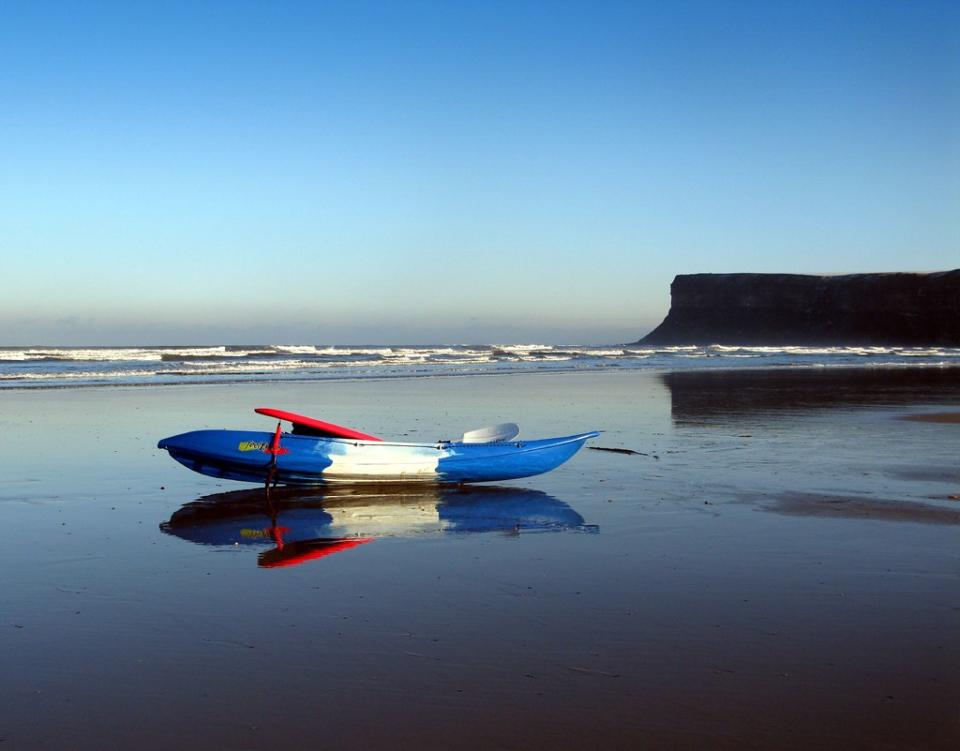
(118, 354)
(104, 355)
(77, 376)
(309, 349)
(25, 367)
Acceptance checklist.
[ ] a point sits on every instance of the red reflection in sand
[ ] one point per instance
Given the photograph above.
(295, 553)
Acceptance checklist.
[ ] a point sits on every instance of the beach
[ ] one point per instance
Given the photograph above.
(777, 567)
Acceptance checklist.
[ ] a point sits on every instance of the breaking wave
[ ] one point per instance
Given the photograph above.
(46, 367)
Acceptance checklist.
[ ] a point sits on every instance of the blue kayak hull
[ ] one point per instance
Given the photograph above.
(308, 460)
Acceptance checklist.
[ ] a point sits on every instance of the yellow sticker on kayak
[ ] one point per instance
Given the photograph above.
(252, 446)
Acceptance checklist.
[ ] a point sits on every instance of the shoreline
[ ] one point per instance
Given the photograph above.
(214, 380)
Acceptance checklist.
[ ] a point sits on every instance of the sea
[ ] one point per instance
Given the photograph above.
(40, 367)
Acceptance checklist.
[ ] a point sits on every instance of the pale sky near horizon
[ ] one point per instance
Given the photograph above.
(426, 172)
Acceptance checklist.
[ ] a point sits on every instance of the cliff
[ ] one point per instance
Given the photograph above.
(795, 309)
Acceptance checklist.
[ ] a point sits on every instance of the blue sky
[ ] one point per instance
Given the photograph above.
(456, 172)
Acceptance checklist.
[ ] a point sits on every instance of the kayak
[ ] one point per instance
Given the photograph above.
(317, 452)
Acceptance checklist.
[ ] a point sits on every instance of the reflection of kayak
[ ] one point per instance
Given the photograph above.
(246, 517)
(303, 525)
(317, 452)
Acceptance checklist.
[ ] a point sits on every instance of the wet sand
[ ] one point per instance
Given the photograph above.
(940, 417)
(855, 507)
(784, 575)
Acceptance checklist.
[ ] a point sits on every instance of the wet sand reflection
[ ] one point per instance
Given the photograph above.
(298, 525)
(708, 395)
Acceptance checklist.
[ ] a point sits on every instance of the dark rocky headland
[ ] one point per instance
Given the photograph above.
(797, 309)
